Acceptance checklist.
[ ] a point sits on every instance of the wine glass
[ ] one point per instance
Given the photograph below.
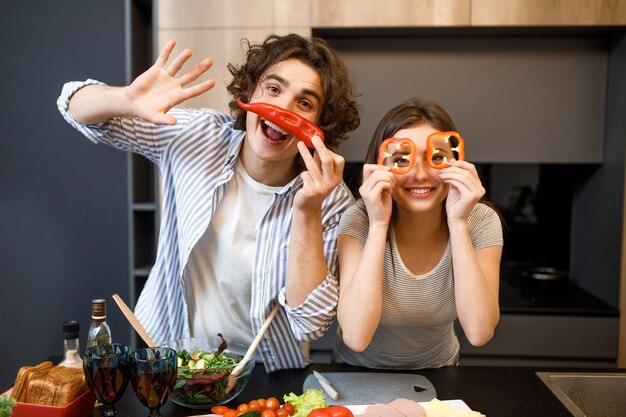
(107, 369)
(153, 375)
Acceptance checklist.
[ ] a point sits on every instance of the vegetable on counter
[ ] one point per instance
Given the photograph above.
(203, 376)
(262, 407)
(332, 411)
(6, 406)
(307, 402)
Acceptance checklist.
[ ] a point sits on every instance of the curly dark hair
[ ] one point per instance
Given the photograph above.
(339, 114)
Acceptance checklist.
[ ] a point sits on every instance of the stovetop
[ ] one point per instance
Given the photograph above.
(521, 294)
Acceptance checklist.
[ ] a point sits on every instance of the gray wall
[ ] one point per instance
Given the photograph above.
(63, 213)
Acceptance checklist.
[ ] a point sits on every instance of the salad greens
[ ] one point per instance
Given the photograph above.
(203, 376)
(307, 402)
(6, 406)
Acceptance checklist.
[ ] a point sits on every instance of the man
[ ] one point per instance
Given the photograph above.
(250, 214)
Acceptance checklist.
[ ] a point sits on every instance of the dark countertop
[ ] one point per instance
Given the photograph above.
(494, 391)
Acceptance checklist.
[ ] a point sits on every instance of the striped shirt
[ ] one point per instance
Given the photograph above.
(416, 328)
(195, 158)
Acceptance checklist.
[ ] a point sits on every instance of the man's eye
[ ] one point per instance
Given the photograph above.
(273, 89)
(306, 105)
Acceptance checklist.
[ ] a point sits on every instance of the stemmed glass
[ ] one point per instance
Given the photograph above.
(153, 375)
(107, 369)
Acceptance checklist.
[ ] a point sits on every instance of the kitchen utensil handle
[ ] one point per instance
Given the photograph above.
(255, 342)
(134, 321)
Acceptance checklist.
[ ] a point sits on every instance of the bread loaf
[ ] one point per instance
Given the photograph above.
(47, 384)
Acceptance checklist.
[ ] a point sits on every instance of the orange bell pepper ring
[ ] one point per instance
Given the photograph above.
(444, 146)
(398, 154)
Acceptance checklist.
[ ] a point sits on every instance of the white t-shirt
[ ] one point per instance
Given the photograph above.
(218, 275)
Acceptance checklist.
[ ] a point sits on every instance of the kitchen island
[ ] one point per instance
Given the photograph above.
(494, 391)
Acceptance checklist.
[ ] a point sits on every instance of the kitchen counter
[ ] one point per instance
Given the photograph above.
(494, 391)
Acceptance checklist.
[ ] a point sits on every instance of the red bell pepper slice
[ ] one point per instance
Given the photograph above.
(444, 146)
(293, 123)
(398, 154)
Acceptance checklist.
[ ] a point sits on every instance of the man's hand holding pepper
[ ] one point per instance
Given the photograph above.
(306, 252)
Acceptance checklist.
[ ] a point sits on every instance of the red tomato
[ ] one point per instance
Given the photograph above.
(273, 403)
(263, 403)
(243, 408)
(254, 405)
(230, 413)
(219, 409)
(289, 408)
(339, 411)
(268, 413)
(281, 412)
(319, 412)
(332, 411)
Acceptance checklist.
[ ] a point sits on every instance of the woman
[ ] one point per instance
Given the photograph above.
(416, 251)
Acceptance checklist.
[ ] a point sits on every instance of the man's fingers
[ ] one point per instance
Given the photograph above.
(179, 62)
(195, 72)
(196, 90)
(165, 53)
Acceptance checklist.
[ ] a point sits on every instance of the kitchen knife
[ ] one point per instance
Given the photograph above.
(325, 383)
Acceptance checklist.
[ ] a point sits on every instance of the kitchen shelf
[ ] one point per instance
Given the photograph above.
(143, 208)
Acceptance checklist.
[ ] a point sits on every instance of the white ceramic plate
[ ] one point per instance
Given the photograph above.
(457, 404)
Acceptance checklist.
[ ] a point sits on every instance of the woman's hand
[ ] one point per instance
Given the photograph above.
(465, 189)
(324, 171)
(156, 91)
(378, 183)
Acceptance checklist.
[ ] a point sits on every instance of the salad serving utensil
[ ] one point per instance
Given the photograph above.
(134, 321)
(237, 370)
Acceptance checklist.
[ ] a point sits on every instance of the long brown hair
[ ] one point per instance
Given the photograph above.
(339, 114)
(412, 112)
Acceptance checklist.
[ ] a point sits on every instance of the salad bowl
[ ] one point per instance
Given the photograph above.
(204, 368)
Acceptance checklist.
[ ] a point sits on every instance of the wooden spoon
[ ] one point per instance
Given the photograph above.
(235, 372)
(134, 321)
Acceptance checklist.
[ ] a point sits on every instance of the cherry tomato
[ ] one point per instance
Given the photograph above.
(254, 405)
(291, 410)
(268, 413)
(273, 403)
(230, 413)
(263, 403)
(281, 412)
(243, 408)
(219, 409)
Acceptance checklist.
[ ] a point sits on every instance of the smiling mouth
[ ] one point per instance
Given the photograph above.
(273, 132)
(420, 191)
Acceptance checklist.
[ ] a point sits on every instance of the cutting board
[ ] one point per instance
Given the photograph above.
(370, 387)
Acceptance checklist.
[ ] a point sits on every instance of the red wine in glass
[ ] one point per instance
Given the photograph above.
(153, 375)
(107, 371)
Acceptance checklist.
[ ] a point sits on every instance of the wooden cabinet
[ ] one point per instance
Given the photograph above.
(548, 13)
(375, 13)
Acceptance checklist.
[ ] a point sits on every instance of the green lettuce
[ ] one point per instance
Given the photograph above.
(310, 400)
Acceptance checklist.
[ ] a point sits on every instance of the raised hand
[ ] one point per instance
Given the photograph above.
(324, 172)
(156, 91)
(465, 189)
(378, 182)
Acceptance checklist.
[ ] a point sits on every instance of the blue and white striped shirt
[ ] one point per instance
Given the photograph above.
(195, 158)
